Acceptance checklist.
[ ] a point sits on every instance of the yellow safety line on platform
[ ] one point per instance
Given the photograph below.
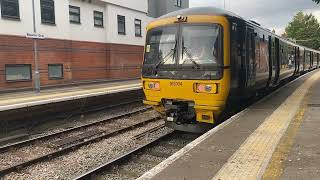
(275, 167)
(253, 156)
(66, 94)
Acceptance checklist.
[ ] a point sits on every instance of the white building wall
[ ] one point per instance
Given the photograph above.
(140, 5)
(86, 31)
(61, 29)
(112, 29)
(18, 27)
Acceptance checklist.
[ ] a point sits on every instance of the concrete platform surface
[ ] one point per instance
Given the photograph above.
(17, 100)
(297, 156)
(243, 147)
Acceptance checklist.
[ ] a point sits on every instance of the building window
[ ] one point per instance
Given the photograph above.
(137, 27)
(47, 12)
(178, 3)
(98, 18)
(55, 71)
(74, 14)
(121, 24)
(10, 9)
(18, 72)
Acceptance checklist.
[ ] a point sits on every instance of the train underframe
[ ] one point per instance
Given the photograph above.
(182, 115)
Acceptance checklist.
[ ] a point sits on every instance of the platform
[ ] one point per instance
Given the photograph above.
(276, 138)
(15, 100)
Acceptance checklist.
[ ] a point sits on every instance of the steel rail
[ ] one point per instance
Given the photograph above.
(92, 173)
(139, 136)
(29, 141)
(70, 148)
(99, 108)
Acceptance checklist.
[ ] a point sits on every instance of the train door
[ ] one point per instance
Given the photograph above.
(276, 61)
(296, 59)
(301, 58)
(262, 61)
(311, 60)
(237, 74)
(243, 73)
(250, 56)
(318, 59)
(304, 61)
(314, 60)
(308, 60)
(272, 71)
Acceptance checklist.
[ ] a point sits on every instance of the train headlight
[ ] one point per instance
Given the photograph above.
(206, 88)
(150, 85)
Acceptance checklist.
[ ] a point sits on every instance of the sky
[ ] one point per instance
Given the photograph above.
(272, 14)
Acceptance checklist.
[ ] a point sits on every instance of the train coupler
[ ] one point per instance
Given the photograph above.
(180, 112)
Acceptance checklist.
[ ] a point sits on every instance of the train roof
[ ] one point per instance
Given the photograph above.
(201, 11)
(213, 11)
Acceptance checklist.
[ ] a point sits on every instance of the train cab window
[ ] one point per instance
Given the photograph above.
(201, 44)
(161, 46)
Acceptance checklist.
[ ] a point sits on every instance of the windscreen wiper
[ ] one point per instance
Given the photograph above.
(168, 56)
(185, 50)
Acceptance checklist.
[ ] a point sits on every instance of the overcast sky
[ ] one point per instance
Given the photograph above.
(272, 14)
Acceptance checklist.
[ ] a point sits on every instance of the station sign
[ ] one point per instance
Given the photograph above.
(35, 36)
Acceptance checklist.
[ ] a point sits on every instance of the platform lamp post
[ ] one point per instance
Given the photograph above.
(35, 49)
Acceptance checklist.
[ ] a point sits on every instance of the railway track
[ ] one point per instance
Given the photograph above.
(138, 161)
(61, 117)
(60, 143)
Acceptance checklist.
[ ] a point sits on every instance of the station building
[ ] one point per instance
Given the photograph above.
(76, 40)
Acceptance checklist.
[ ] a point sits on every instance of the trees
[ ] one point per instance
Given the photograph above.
(317, 1)
(305, 28)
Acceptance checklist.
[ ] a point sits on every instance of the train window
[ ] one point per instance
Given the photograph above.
(161, 46)
(234, 26)
(201, 44)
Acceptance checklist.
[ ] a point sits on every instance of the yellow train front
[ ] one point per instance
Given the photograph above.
(200, 61)
(185, 73)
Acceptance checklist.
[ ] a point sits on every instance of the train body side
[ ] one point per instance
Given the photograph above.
(261, 59)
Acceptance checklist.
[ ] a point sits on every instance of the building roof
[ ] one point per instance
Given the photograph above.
(201, 11)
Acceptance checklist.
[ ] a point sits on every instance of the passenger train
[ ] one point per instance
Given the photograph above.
(199, 60)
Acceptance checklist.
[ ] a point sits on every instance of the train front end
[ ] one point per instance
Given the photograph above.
(186, 70)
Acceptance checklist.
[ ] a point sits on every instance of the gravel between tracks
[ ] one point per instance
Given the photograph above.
(147, 159)
(39, 148)
(87, 157)
(78, 120)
